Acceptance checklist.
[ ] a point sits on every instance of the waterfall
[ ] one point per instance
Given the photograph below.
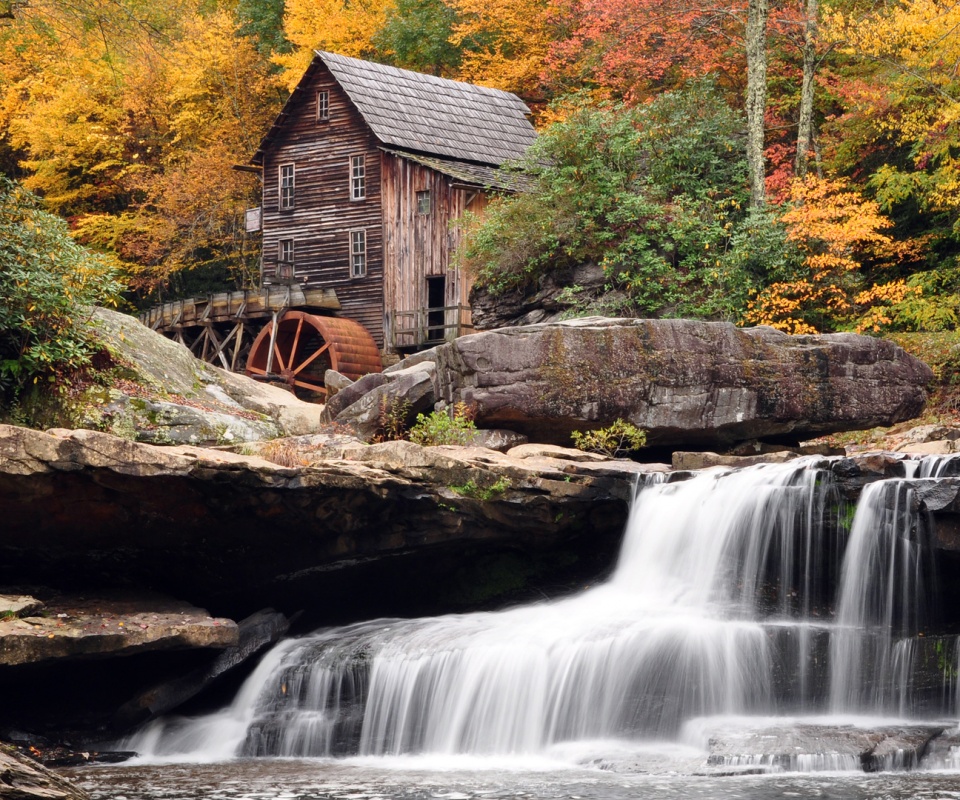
(720, 604)
(880, 603)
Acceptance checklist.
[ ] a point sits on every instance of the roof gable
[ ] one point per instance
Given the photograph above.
(426, 114)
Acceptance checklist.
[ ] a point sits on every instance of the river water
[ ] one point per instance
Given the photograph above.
(753, 623)
(354, 779)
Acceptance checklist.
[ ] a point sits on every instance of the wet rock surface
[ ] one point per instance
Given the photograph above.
(818, 747)
(255, 634)
(22, 778)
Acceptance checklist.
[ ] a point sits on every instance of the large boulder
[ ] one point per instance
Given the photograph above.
(687, 383)
(366, 405)
(154, 390)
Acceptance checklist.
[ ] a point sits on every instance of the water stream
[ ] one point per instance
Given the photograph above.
(752, 622)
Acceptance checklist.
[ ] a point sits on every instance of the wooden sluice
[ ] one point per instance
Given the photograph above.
(221, 328)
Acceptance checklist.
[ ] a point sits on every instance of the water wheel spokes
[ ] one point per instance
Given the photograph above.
(304, 346)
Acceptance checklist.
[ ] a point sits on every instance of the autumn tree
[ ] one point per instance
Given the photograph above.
(635, 49)
(347, 27)
(131, 131)
(906, 106)
(836, 232)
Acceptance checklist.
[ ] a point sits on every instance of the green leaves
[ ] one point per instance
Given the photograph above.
(653, 194)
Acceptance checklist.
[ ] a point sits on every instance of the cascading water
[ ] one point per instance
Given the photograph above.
(720, 604)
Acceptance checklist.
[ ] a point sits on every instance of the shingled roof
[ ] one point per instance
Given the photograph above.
(429, 115)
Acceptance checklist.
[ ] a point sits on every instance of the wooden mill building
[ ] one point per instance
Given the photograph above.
(365, 173)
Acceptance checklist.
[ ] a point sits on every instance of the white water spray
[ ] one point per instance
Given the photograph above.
(719, 605)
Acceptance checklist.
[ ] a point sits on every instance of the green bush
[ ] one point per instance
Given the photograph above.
(439, 427)
(654, 194)
(48, 286)
(618, 439)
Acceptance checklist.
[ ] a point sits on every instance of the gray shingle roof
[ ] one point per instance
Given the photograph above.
(434, 115)
(426, 114)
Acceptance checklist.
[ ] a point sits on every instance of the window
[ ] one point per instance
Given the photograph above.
(423, 202)
(286, 186)
(285, 268)
(358, 254)
(358, 178)
(323, 106)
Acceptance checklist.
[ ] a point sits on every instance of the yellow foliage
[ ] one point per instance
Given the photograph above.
(508, 42)
(914, 103)
(346, 27)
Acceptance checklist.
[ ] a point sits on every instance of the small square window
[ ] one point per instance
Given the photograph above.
(358, 178)
(423, 203)
(286, 186)
(358, 254)
(323, 106)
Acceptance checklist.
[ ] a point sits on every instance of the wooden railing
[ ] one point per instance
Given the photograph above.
(415, 329)
(240, 305)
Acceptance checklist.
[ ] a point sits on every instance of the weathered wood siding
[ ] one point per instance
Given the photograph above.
(417, 246)
(323, 214)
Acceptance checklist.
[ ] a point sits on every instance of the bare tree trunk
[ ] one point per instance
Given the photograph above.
(757, 13)
(805, 127)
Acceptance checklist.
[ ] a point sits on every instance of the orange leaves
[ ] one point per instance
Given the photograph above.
(833, 223)
(637, 47)
(837, 231)
(878, 300)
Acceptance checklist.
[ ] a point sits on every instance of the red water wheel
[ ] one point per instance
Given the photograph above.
(305, 346)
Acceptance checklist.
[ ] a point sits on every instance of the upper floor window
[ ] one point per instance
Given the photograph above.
(423, 202)
(358, 178)
(323, 106)
(286, 185)
(358, 253)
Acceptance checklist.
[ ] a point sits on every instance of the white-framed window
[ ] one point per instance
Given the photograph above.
(358, 253)
(285, 265)
(358, 177)
(323, 106)
(287, 176)
(423, 203)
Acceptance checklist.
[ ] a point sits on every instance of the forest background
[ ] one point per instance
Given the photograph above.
(826, 199)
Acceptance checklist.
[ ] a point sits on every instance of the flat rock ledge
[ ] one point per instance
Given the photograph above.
(236, 533)
(75, 627)
(347, 528)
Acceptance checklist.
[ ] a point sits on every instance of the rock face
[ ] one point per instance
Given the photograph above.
(582, 286)
(359, 530)
(822, 747)
(162, 394)
(256, 632)
(686, 383)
